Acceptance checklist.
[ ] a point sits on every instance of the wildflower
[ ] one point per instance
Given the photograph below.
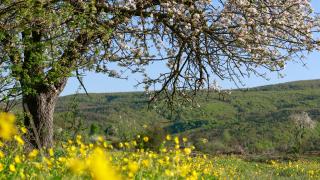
(1, 154)
(70, 141)
(100, 139)
(79, 137)
(1, 167)
(187, 151)
(133, 167)
(105, 144)
(184, 139)
(34, 153)
(17, 159)
(7, 126)
(145, 139)
(12, 168)
(169, 173)
(100, 167)
(51, 153)
(23, 130)
(62, 159)
(76, 165)
(19, 140)
(168, 137)
(163, 150)
(145, 162)
(176, 140)
(177, 146)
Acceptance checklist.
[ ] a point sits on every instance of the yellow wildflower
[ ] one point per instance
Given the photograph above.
(184, 139)
(51, 153)
(19, 140)
(100, 167)
(169, 173)
(34, 153)
(7, 126)
(76, 165)
(176, 140)
(12, 168)
(145, 139)
(23, 130)
(187, 151)
(1, 154)
(168, 137)
(133, 167)
(17, 159)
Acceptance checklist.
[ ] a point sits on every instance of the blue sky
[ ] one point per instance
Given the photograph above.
(98, 83)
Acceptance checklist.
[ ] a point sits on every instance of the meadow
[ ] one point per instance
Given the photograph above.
(100, 159)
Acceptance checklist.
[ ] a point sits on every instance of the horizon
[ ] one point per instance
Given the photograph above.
(119, 92)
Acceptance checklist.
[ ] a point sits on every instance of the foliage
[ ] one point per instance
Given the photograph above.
(43, 43)
(251, 121)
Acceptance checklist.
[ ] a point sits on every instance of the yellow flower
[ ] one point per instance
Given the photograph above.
(145, 162)
(163, 150)
(12, 168)
(1, 167)
(133, 167)
(23, 130)
(1, 154)
(17, 159)
(187, 151)
(76, 165)
(184, 139)
(145, 139)
(168, 137)
(7, 126)
(19, 140)
(100, 139)
(51, 153)
(34, 153)
(169, 173)
(62, 159)
(176, 140)
(100, 167)
(134, 143)
(105, 144)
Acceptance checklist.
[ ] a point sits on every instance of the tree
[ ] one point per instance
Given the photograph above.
(43, 43)
(302, 125)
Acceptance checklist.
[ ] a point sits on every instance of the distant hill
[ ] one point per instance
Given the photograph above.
(252, 121)
(296, 85)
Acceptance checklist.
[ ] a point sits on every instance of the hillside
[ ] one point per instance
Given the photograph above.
(251, 121)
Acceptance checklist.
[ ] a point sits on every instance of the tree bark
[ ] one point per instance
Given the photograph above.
(38, 115)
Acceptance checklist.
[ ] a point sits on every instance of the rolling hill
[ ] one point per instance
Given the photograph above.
(256, 120)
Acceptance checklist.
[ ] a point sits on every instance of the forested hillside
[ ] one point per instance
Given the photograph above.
(256, 120)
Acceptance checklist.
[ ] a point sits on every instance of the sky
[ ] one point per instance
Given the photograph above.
(100, 83)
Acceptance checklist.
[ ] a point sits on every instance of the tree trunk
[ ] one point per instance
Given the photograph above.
(38, 116)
